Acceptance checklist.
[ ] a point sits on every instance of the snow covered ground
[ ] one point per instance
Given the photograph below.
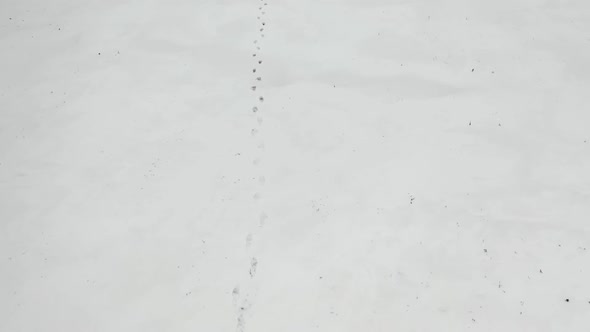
(400, 165)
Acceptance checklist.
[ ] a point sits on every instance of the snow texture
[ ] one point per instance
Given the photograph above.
(294, 165)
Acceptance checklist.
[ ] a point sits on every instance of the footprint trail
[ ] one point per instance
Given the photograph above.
(242, 294)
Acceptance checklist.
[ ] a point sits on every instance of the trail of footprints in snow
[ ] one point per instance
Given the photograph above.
(241, 301)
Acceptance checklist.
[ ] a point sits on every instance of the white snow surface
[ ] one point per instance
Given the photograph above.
(413, 166)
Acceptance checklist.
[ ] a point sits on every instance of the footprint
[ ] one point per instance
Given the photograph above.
(254, 70)
(254, 132)
(254, 109)
(254, 54)
(235, 295)
(256, 41)
(253, 88)
(253, 267)
(261, 29)
(259, 62)
(262, 219)
(262, 35)
(241, 323)
(245, 306)
(263, 23)
(248, 242)
(260, 98)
